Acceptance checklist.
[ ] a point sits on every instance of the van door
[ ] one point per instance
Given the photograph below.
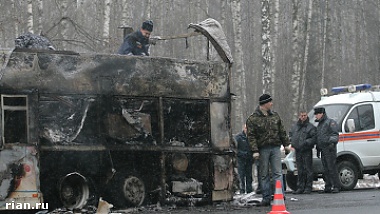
(19, 183)
(364, 140)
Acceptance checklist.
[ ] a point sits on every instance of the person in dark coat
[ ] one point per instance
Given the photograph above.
(302, 137)
(327, 140)
(244, 161)
(137, 43)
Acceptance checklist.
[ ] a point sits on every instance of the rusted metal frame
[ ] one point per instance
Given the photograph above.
(163, 155)
(14, 108)
(126, 148)
(208, 49)
(161, 119)
(181, 36)
(163, 178)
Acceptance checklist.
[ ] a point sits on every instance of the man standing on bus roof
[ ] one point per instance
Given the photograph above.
(327, 140)
(137, 43)
(266, 133)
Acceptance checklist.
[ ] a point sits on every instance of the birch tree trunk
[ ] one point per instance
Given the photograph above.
(265, 46)
(296, 74)
(126, 16)
(106, 25)
(15, 19)
(239, 74)
(64, 28)
(324, 33)
(148, 10)
(40, 7)
(274, 43)
(2, 36)
(364, 38)
(302, 101)
(223, 12)
(29, 23)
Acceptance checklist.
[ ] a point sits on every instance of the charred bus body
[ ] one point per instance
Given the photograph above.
(78, 127)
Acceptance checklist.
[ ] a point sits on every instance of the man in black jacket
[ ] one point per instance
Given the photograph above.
(137, 43)
(327, 140)
(302, 137)
(245, 161)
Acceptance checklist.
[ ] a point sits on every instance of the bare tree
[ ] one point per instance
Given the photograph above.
(29, 23)
(239, 74)
(275, 32)
(302, 101)
(148, 9)
(40, 7)
(266, 46)
(15, 18)
(126, 15)
(65, 24)
(324, 33)
(106, 25)
(296, 72)
(223, 12)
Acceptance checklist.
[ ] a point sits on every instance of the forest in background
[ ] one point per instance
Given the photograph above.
(287, 48)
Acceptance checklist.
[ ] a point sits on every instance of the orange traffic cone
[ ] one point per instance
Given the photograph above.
(278, 205)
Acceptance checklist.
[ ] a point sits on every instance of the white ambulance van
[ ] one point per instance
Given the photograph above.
(356, 109)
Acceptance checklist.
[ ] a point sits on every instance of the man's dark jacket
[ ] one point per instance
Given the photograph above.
(327, 132)
(135, 44)
(303, 135)
(243, 148)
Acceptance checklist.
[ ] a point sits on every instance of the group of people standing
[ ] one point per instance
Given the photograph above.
(261, 140)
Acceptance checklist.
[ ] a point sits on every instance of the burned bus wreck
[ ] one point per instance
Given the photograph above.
(132, 130)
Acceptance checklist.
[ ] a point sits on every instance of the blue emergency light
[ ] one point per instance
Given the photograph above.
(350, 88)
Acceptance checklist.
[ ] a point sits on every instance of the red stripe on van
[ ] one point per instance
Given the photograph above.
(359, 136)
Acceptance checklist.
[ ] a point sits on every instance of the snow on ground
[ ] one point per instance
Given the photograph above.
(252, 199)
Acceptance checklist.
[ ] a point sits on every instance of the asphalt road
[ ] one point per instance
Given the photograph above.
(355, 201)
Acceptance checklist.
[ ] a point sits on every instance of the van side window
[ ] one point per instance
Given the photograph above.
(363, 117)
(14, 118)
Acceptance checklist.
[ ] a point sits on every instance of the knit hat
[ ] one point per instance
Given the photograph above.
(265, 98)
(147, 25)
(319, 110)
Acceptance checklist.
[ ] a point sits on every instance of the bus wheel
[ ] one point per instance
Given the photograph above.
(127, 190)
(74, 191)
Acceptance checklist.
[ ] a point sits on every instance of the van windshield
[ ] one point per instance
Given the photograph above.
(335, 111)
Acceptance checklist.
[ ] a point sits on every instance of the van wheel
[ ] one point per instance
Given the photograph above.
(291, 181)
(127, 190)
(348, 175)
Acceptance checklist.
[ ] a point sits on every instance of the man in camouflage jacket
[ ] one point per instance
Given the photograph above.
(266, 134)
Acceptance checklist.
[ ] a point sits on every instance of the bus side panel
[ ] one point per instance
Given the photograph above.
(19, 181)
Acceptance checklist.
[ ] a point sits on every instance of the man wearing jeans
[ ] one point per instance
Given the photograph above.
(266, 133)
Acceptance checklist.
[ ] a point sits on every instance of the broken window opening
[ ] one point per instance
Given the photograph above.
(133, 120)
(186, 122)
(14, 118)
